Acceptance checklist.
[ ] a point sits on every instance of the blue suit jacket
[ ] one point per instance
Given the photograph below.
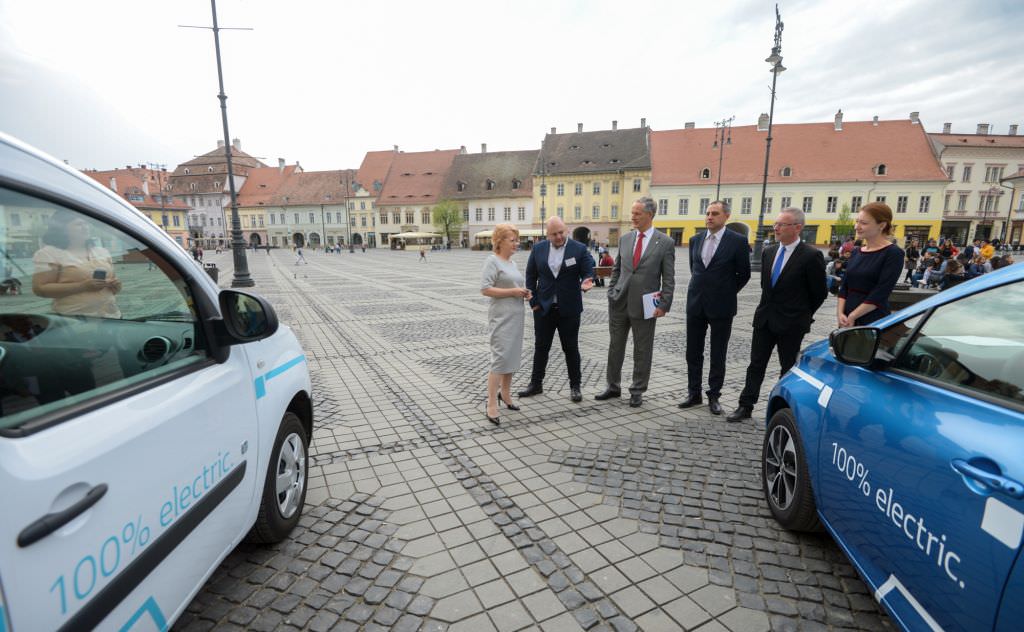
(713, 289)
(545, 286)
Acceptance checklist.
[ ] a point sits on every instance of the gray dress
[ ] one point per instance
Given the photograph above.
(505, 315)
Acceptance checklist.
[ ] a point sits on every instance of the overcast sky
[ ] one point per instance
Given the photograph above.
(105, 84)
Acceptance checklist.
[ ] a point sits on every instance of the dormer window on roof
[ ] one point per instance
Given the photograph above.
(613, 161)
(461, 186)
(574, 146)
(880, 170)
(490, 184)
(210, 169)
(428, 173)
(187, 171)
(406, 174)
(587, 162)
(516, 183)
(786, 172)
(705, 174)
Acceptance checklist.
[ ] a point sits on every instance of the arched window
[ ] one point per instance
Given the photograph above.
(880, 170)
(705, 174)
(787, 172)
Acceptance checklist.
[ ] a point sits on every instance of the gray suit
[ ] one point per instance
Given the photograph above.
(626, 288)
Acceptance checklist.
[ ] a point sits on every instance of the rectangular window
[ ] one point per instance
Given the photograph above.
(177, 220)
(578, 189)
(597, 188)
(425, 215)
(410, 217)
(543, 189)
(296, 217)
(561, 211)
(312, 218)
(507, 213)
(479, 214)
(961, 203)
(663, 206)
(949, 171)
(967, 174)
(728, 202)
(396, 217)
(880, 198)
(901, 204)
(595, 213)
(362, 206)
(261, 221)
(560, 189)
(362, 220)
(768, 205)
(993, 174)
(465, 214)
(684, 206)
(745, 205)
(383, 219)
(831, 202)
(787, 201)
(327, 217)
(945, 202)
(855, 203)
(704, 205)
(926, 202)
(615, 186)
(637, 183)
(490, 214)
(521, 214)
(352, 221)
(808, 203)
(282, 219)
(577, 212)
(615, 211)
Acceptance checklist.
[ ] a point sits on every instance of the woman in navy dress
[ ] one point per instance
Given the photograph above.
(872, 271)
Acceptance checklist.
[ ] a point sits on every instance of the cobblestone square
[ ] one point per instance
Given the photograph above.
(595, 516)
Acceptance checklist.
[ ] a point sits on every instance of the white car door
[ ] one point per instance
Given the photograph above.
(126, 452)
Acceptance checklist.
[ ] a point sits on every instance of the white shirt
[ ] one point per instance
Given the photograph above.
(787, 253)
(555, 258)
(711, 240)
(647, 240)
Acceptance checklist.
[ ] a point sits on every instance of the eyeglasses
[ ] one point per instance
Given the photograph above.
(777, 224)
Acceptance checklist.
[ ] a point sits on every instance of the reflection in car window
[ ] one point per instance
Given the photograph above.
(976, 342)
(895, 337)
(84, 310)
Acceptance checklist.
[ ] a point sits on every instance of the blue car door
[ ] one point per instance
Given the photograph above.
(920, 468)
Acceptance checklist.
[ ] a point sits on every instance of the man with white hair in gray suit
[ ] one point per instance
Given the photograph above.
(645, 264)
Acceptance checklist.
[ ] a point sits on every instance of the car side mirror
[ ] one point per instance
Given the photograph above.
(246, 317)
(855, 345)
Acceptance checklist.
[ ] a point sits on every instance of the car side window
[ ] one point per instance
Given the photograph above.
(85, 310)
(895, 337)
(976, 342)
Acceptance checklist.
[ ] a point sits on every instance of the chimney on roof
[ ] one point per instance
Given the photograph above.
(983, 129)
(1013, 130)
(762, 122)
(462, 150)
(839, 120)
(947, 128)
(396, 148)
(643, 123)
(280, 165)
(220, 144)
(237, 144)
(579, 127)
(915, 118)
(874, 121)
(113, 184)
(145, 187)
(553, 130)
(615, 125)
(483, 148)
(689, 125)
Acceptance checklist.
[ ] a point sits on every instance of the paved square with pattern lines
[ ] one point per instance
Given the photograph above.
(595, 516)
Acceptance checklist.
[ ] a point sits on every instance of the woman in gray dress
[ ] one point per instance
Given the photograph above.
(505, 285)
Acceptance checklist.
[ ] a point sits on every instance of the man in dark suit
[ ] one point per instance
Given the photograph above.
(792, 289)
(645, 264)
(556, 272)
(719, 268)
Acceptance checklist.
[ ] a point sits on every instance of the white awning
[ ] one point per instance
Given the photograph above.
(414, 235)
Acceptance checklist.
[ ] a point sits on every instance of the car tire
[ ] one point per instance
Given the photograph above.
(288, 471)
(784, 476)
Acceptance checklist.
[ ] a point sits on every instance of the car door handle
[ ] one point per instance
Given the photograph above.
(53, 521)
(994, 482)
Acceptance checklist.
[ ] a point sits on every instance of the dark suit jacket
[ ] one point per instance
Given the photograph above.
(545, 286)
(799, 292)
(713, 289)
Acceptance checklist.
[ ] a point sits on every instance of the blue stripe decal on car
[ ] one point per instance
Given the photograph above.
(261, 382)
(151, 608)
(3, 620)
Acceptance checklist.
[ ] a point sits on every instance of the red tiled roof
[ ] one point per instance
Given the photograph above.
(374, 169)
(417, 177)
(130, 181)
(815, 152)
(313, 187)
(262, 184)
(978, 140)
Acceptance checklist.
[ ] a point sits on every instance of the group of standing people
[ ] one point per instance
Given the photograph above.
(642, 287)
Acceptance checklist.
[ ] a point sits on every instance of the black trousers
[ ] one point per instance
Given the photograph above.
(788, 345)
(696, 332)
(544, 328)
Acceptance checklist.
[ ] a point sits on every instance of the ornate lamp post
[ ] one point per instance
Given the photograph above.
(775, 59)
(723, 137)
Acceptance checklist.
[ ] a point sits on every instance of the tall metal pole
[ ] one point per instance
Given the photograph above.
(720, 140)
(776, 60)
(241, 277)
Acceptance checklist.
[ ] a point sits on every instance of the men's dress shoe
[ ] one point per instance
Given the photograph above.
(741, 413)
(576, 395)
(531, 390)
(691, 401)
(716, 408)
(607, 394)
(635, 400)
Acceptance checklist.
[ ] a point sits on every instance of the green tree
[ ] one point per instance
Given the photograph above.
(447, 218)
(843, 226)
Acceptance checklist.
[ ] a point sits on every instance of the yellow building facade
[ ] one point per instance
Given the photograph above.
(596, 202)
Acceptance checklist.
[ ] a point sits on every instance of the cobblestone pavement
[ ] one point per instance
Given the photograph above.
(422, 516)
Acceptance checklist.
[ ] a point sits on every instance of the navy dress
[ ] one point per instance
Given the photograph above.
(870, 278)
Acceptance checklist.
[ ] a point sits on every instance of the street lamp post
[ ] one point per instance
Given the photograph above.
(723, 137)
(775, 59)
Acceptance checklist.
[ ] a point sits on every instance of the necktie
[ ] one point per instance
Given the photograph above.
(777, 269)
(638, 250)
(709, 250)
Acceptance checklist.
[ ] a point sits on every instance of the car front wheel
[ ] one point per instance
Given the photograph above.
(786, 483)
(284, 492)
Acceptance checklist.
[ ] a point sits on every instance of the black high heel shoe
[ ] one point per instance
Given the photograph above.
(507, 405)
(494, 420)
